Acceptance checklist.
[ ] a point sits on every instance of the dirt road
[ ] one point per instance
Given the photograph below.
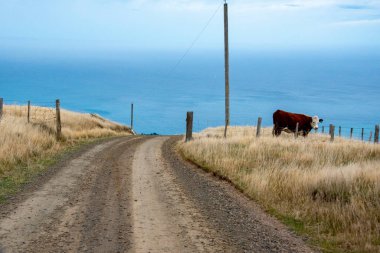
(134, 194)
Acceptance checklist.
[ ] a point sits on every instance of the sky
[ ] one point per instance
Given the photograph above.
(125, 25)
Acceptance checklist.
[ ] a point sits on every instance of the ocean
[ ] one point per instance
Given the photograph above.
(342, 88)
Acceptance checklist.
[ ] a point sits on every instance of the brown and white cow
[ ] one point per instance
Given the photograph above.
(286, 121)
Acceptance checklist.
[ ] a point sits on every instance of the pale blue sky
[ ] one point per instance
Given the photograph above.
(34, 25)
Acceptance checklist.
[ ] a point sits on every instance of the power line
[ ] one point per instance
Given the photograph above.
(195, 40)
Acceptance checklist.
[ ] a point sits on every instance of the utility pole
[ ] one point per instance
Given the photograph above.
(226, 69)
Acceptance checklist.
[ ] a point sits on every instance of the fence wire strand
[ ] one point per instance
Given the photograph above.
(41, 112)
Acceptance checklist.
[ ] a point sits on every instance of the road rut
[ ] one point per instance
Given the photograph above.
(134, 194)
(165, 219)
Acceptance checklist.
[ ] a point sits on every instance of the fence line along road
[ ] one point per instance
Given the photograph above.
(375, 133)
(43, 113)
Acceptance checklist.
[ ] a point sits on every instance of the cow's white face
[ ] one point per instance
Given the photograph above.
(315, 121)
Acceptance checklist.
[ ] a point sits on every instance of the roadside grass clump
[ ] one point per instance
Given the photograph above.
(330, 191)
(28, 148)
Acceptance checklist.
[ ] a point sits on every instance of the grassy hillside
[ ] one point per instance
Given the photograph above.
(27, 148)
(330, 191)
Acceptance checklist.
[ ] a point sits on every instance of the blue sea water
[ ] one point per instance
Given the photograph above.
(342, 88)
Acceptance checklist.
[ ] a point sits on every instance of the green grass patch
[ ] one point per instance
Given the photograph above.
(304, 230)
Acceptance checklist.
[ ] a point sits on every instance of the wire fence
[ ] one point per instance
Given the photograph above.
(364, 133)
(42, 112)
(356, 133)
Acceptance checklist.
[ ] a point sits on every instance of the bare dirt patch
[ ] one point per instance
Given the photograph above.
(245, 225)
(75, 209)
(135, 194)
(165, 218)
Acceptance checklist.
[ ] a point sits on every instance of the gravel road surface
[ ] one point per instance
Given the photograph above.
(135, 194)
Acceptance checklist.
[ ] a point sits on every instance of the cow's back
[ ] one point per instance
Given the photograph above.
(280, 117)
(287, 119)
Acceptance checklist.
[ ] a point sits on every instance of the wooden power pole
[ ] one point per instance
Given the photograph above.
(226, 69)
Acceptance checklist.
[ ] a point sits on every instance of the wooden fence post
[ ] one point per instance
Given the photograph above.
(351, 132)
(1, 107)
(28, 111)
(362, 134)
(258, 130)
(370, 137)
(132, 116)
(340, 131)
(58, 116)
(376, 139)
(189, 126)
(296, 132)
(332, 132)
(323, 129)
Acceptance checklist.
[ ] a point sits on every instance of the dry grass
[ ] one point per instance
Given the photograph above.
(23, 142)
(332, 189)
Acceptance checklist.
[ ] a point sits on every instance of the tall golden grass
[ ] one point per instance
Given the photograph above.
(332, 189)
(21, 142)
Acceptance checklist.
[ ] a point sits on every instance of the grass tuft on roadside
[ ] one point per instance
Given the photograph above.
(330, 191)
(29, 148)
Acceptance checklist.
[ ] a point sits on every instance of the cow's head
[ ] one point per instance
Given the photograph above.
(314, 122)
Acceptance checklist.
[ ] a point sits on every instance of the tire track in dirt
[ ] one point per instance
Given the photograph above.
(165, 219)
(135, 194)
(240, 220)
(75, 209)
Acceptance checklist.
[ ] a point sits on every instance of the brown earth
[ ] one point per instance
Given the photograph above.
(135, 194)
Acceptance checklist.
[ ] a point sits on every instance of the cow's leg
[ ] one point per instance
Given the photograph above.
(278, 131)
(275, 130)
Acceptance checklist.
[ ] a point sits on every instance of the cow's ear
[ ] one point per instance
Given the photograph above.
(321, 120)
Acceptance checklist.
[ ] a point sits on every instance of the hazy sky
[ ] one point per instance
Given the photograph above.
(169, 24)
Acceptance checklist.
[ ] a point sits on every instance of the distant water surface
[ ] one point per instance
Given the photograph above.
(341, 88)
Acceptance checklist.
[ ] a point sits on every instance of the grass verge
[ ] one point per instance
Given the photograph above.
(328, 191)
(29, 148)
(23, 173)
